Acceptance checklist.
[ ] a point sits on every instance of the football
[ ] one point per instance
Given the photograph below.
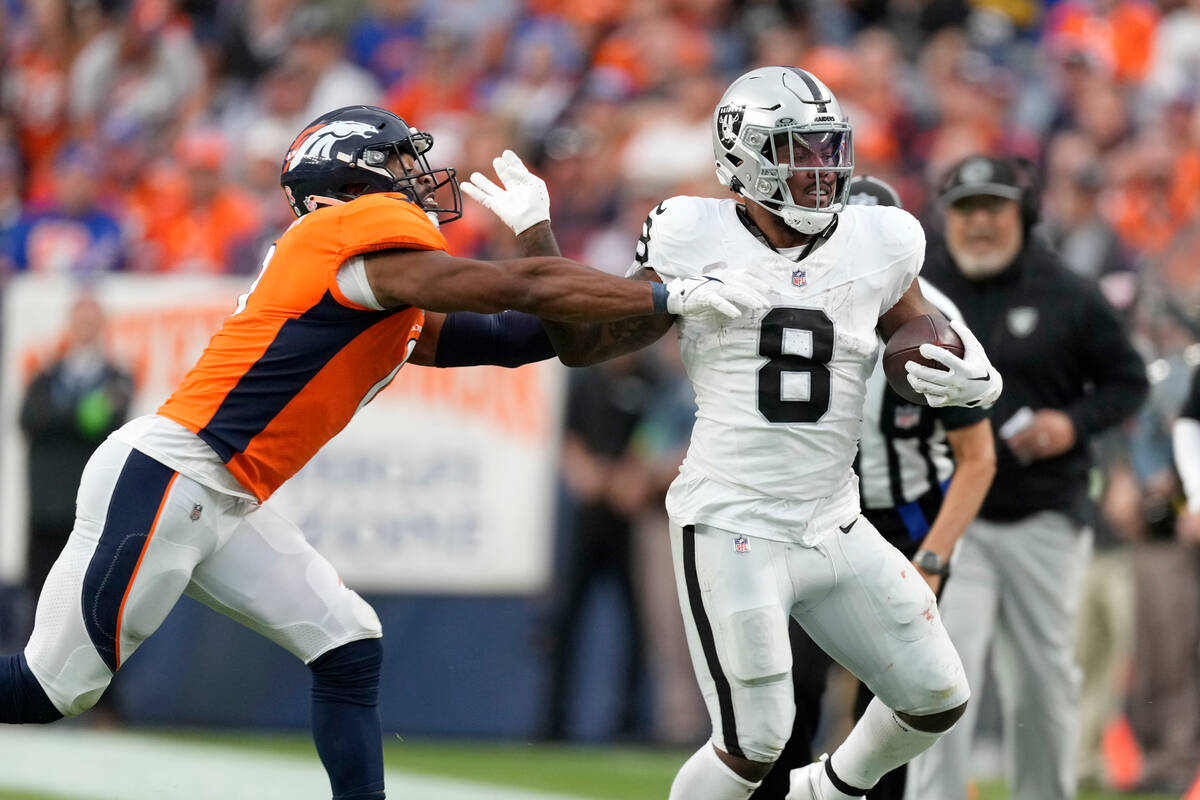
(904, 346)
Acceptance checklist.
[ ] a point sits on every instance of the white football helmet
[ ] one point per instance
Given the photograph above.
(775, 122)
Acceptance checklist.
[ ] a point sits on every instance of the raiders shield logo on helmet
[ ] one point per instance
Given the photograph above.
(729, 124)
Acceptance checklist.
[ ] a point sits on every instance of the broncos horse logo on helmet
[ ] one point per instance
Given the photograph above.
(776, 122)
(345, 153)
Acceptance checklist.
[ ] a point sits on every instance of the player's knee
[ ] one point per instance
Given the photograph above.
(78, 685)
(763, 733)
(942, 688)
(765, 745)
(22, 698)
(365, 617)
(935, 723)
(83, 701)
(349, 674)
(747, 768)
(761, 663)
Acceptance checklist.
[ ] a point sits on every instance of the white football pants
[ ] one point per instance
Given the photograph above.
(143, 536)
(858, 598)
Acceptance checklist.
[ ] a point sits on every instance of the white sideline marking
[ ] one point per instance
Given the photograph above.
(87, 764)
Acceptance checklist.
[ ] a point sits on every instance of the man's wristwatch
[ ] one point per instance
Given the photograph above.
(932, 563)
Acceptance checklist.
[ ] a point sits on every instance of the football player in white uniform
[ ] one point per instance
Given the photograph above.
(765, 512)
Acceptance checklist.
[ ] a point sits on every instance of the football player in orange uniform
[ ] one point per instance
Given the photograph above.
(172, 502)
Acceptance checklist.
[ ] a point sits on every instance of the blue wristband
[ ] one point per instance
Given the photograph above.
(659, 292)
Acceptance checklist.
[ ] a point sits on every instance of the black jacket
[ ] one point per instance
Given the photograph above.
(1058, 344)
(60, 444)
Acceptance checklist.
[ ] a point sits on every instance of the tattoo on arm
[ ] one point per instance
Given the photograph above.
(580, 344)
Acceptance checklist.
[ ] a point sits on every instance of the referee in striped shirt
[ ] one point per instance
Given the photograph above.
(923, 473)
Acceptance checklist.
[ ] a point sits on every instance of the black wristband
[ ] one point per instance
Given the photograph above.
(659, 293)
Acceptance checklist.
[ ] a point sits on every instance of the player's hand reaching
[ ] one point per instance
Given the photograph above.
(708, 297)
(967, 381)
(521, 201)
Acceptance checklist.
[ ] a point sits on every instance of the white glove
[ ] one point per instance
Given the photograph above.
(520, 203)
(707, 296)
(967, 381)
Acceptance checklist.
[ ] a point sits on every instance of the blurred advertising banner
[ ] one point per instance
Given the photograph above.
(445, 483)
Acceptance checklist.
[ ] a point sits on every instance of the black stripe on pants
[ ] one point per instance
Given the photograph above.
(709, 644)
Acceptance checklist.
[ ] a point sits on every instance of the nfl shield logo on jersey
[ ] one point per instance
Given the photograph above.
(196, 509)
(741, 544)
(907, 417)
(799, 277)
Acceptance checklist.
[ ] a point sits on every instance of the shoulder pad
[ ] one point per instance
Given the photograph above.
(381, 220)
(674, 222)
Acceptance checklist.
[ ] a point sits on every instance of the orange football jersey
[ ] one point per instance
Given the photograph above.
(297, 359)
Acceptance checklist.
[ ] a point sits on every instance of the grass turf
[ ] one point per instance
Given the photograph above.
(601, 772)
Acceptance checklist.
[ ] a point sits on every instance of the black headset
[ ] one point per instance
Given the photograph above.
(1031, 190)
(1025, 172)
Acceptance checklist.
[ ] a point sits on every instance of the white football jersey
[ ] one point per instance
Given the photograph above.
(779, 393)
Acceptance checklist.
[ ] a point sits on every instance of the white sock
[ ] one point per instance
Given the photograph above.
(705, 776)
(878, 744)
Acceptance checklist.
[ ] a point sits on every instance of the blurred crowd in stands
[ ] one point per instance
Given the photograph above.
(147, 135)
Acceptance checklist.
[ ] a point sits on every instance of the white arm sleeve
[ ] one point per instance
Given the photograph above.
(1185, 437)
(352, 280)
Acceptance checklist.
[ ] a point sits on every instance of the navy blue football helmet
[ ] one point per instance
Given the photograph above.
(344, 154)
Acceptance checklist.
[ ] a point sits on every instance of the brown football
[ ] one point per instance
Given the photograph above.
(905, 346)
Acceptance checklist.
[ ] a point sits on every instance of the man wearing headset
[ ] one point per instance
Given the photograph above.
(1070, 372)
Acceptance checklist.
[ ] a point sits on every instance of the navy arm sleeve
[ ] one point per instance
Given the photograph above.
(1117, 372)
(507, 339)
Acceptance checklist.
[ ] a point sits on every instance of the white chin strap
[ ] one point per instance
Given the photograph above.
(809, 222)
(801, 219)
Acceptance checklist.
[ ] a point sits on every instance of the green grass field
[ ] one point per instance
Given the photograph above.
(601, 773)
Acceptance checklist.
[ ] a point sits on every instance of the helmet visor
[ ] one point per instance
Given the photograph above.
(811, 166)
(797, 149)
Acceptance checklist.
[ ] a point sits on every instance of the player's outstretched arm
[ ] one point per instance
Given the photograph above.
(580, 344)
(522, 202)
(555, 288)
(551, 288)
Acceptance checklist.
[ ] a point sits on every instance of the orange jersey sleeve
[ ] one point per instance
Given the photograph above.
(288, 370)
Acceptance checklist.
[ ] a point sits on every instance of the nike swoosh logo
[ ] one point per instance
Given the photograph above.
(986, 377)
(846, 528)
(660, 208)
